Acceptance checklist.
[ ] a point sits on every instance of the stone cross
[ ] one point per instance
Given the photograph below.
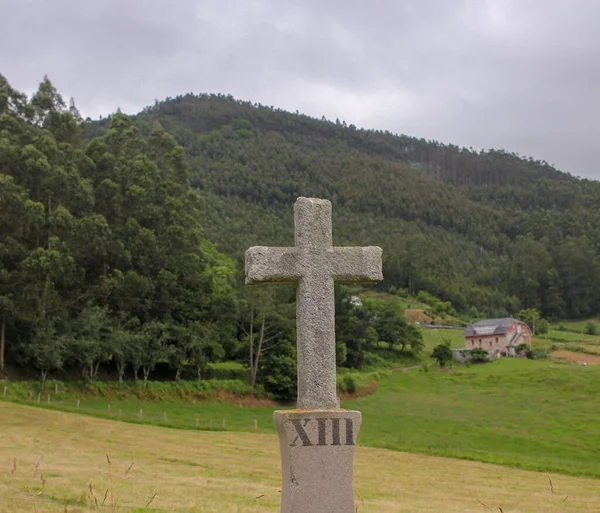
(316, 440)
(314, 265)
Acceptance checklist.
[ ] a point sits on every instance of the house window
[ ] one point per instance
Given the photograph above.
(490, 343)
(496, 340)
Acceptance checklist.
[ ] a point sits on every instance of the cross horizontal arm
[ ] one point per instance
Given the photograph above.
(272, 265)
(357, 264)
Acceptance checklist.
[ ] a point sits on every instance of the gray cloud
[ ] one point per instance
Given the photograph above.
(516, 74)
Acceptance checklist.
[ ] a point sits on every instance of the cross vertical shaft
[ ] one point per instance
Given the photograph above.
(316, 353)
(315, 307)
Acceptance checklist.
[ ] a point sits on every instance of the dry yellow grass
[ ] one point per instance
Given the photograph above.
(239, 472)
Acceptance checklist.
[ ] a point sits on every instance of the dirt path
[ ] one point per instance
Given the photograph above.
(573, 357)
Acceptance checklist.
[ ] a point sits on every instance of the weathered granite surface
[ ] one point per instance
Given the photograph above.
(314, 264)
(317, 460)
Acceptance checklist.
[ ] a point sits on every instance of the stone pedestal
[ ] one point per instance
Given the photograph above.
(317, 459)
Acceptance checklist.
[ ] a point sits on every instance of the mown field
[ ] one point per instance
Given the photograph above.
(60, 462)
(537, 415)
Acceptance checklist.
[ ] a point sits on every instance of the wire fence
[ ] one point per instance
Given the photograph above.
(214, 417)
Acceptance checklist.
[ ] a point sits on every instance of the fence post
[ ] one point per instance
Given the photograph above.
(39, 397)
(78, 401)
(255, 424)
(141, 413)
(4, 393)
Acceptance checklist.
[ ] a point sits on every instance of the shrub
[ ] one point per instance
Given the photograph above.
(442, 353)
(536, 355)
(479, 355)
(350, 384)
(374, 361)
(522, 348)
(591, 328)
(227, 370)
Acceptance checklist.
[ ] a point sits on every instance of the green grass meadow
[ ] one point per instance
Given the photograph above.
(433, 337)
(579, 325)
(536, 415)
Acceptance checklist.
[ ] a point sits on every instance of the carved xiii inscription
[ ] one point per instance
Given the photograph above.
(324, 427)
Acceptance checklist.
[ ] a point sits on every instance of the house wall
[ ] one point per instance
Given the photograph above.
(493, 344)
(496, 344)
(521, 327)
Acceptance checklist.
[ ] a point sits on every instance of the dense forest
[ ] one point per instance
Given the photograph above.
(490, 231)
(106, 267)
(122, 239)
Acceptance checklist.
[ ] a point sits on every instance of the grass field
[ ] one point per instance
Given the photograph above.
(433, 337)
(578, 325)
(209, 472)
(532, 414)
(570, 336)
(537, 415)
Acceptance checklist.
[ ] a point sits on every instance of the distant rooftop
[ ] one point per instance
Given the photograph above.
(490, 327)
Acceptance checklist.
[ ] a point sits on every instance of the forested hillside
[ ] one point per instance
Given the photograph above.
(106, 270)
(489, 231)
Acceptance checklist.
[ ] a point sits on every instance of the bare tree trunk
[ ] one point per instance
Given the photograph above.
(177, 375)
(146, 371)
(2, 340)
(261, 338)
(251, 343)
(120, 372)
(43, 376)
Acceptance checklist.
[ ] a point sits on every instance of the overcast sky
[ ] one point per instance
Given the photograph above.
(523, 75)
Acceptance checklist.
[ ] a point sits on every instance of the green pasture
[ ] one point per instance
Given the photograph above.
(578, 325)
(433, 337)
(529, 414)
(570, 336)
(204, 415)
(536, 415)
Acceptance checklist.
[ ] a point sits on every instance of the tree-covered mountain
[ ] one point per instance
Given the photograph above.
(106, 268)
(488, 230)
(119, 241)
